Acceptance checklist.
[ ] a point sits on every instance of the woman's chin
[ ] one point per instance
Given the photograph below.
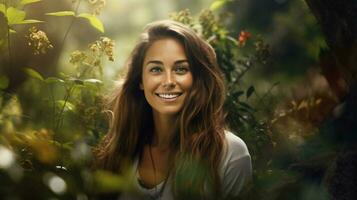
(168, 111)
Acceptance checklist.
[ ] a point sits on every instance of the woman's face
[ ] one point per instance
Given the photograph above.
(166, 77)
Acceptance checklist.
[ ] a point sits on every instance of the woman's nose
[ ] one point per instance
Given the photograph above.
(169, 81)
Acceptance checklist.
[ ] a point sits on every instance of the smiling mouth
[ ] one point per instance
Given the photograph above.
(168, 95)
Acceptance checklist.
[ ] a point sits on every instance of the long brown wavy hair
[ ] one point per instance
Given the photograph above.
(198, 143)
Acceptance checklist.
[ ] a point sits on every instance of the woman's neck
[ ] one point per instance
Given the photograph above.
(164, 130)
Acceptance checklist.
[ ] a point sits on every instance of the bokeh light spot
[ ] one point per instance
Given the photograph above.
(6, 157)
(57, 184)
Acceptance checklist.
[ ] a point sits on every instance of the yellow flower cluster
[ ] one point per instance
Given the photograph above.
(77, 57)
(209, 23)
(104, 44)
(39, 41)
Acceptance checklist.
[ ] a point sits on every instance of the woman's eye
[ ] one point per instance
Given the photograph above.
(181, 70)
(155, 69)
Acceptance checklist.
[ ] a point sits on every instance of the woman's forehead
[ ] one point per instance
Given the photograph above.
(164, 50)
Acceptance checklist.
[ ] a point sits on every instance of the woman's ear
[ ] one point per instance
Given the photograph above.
(141, 86)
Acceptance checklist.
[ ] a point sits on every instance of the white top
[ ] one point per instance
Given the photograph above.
(235, 170)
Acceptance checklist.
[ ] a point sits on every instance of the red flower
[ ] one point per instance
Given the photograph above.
(243, 37)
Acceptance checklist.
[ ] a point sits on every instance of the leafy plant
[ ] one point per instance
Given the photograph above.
(54, 148)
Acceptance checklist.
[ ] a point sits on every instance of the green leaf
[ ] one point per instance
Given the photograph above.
(63, 75)
(109, 182)
(93, 84)
(15, 16)
(66, 105)
(61, 13)
(250, 91)
(76, 81)
(25, 2)
(54, 80)
(245, 105)
(237, 94)
(67, 145)
(93, 20)
(4, 82)
(2, 8)
(93, 81)
(216, 5)
(233, 40)
(33, 73)
(30, 21)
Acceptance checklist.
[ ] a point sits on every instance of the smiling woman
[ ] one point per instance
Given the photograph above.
(168, 122)
(166, 77)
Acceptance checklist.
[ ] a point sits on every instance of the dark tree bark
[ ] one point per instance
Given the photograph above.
(339, 25)
(337, 19)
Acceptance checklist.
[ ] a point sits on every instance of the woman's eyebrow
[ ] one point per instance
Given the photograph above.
(154, 62)
(160, 63)
(181, 61)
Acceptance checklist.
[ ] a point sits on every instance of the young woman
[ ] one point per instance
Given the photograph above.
(167, 122)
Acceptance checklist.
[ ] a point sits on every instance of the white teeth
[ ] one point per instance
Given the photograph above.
(168, 96)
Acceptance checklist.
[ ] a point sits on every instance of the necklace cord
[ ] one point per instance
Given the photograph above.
(154, 168)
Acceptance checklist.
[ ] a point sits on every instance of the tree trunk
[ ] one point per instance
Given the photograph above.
(337, 19)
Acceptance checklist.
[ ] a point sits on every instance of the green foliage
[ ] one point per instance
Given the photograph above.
(107, 182)
(52, 80)
(92, 19)
(16, 15)
(218, 4)
(2, 8)
(61, 13)
(34, 74)
(4, 82)
(26, 2)
(46, 133)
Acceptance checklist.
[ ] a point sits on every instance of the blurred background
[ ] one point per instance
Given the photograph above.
(289, 67)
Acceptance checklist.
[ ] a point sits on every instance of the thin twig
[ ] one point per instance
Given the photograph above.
(54, 106)
(60, 118)
(63, 107)
(247, 68)
(8, 35)
(67, 32)
(260, 100)
(60, 50)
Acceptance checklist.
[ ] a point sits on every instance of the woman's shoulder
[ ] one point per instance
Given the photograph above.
(236, 166)
(235, 147)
